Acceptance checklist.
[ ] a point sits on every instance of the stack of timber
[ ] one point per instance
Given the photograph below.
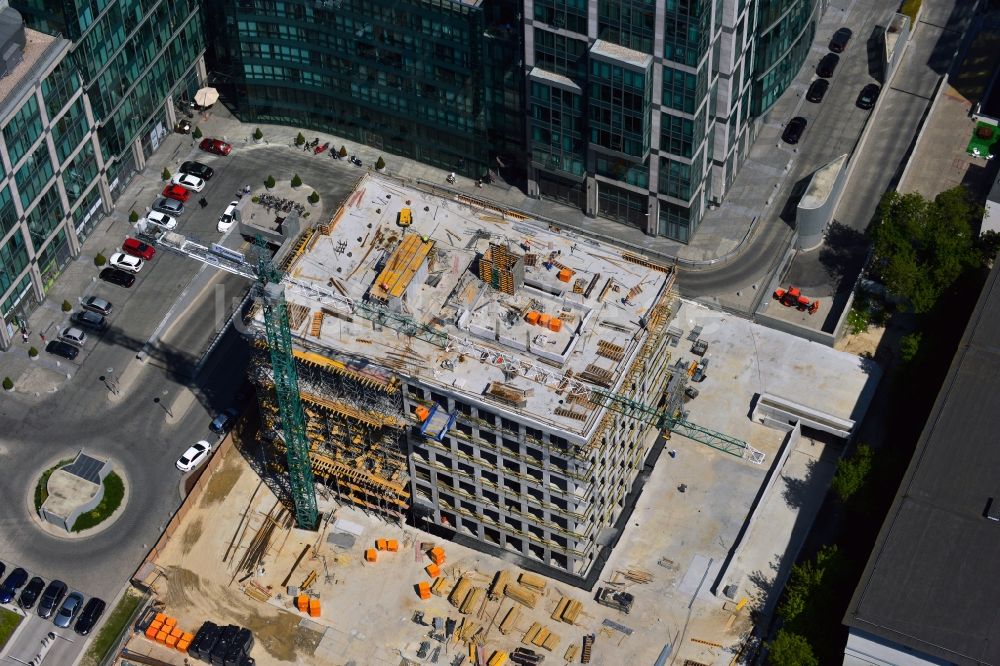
(522, 595)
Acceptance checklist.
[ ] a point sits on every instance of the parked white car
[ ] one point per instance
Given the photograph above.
(74, 336)
(187, 181)
(161, 220)
(126, 262)
(228, 217)
(194, 456)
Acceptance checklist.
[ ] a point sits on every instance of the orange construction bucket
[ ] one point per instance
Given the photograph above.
(151, 632)
(555, 325)
(371, 555)
(531, 317)
(392, 545)
(380, 544)
(433, 570)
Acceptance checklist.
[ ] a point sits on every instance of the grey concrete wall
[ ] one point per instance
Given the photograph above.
(66, 522)
(727, 573)
(810, 219)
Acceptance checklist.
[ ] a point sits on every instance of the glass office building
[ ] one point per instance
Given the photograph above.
(49, 187)
(642, 111)
(136, 57)
(433, 80)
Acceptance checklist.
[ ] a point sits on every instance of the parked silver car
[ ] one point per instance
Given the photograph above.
(168, 206)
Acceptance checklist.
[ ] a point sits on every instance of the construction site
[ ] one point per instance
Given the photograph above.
(523, 444)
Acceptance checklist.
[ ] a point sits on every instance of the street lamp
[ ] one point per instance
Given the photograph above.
(164, 405)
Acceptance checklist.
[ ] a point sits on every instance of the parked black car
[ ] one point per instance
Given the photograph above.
(868, 96)
(839, 41)
(221, 649)
(828, 65)
(64, 349)
(15, 579)
(203, 171)
(118, 277)
(204, 641)
(793, 130)
(29, 595)
(88, 319)
(221, 424)
(51, 597)
(817, 90)
(90, 616)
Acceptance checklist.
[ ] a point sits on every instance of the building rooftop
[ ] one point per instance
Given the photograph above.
(39, 49)
(506, 312)
(552, 77)
(931, 583)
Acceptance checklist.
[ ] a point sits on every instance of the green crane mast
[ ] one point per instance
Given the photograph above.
(271, 293)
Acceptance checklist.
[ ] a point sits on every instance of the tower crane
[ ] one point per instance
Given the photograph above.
(269, 292)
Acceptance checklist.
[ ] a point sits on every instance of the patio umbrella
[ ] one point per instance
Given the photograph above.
(206, 97)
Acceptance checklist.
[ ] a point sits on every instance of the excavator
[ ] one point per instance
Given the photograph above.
(793, 298)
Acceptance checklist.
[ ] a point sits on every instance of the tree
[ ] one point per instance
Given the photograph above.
(100, 260)
(791, 649)
(909, 346)
(989, 244)
(314, 198)
(133, 217)
(380, 164)
(922, 247)
(66, 306)
(806, 579)
(166, 174)
(258, 135)
(269, 183)
(343, 151)
(300, 139)
(852, 472)
(32, 352)
(197, 133)
(8, 384)
(296, 181)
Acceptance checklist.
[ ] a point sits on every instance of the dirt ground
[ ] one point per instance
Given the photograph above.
(368, 609)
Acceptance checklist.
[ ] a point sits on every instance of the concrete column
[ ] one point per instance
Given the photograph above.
(140, 159)
(591, 204)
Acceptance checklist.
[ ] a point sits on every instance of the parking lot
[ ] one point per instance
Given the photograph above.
(140, 414)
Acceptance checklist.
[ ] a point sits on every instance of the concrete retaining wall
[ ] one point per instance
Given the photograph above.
(727, 576)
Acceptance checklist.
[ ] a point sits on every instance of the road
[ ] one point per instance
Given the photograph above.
(833, 129)
(138, 431)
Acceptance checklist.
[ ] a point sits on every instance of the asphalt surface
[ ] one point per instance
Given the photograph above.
(833, 268)
(833, 129)
(137, 432)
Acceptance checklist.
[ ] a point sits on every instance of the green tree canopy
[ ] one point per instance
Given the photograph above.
(790, 649)
(852, 472)
(921, 246)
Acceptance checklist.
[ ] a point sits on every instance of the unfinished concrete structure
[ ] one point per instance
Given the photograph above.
(447, 369)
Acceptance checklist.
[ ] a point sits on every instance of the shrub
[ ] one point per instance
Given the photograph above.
(258, 135)
(166, 174)
(197, 133)
(314, 198)
(254, 199)
(858, 319)
(343, 151)
(380, 164)
(8, 383)
(100, 260)
(296, 181)
(984, 132)
(791, 649)
(299, 140)
(269, 183)
(133, 217)
(909, 346)
(852, 472)
(66, 306)
(32, 352)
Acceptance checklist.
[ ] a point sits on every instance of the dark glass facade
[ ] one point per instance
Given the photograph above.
(432, 80)
(785, 31)
(132, 54)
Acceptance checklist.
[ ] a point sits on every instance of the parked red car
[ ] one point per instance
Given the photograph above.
(215, 146)
(177, 193)
(138, 249)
